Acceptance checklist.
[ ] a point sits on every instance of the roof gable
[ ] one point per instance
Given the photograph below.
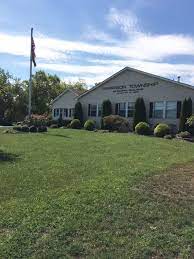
(137, 71)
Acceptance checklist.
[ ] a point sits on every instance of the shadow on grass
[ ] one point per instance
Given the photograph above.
(57, 135)
(7, 157)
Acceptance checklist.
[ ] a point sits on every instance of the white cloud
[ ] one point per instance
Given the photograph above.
(126, 20)
(141, 50)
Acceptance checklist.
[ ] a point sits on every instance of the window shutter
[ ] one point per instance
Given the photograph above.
(89, 109)
(116, 108)
(151, 110)
(178, 111)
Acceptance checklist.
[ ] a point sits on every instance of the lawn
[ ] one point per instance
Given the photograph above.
(70, 193)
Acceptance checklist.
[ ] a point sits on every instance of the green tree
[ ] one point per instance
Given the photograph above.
(78, 112)
(186, 112)
(140, 112)
(106, 108)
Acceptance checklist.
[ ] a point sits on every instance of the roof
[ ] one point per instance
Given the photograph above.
(76, 92)
(138, 71)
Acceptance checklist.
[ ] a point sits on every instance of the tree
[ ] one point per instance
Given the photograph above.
(186, 112)
(140, 112)
(78, 112)
(106, 108)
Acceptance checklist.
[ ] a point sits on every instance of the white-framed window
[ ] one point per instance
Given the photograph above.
(65, 112)
(92, 110)
(122, 109)
(56, 112)
(158, 110)
(71, 112)
(131, 109)
(171, 110)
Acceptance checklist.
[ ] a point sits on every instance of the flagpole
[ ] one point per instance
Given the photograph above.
(30, 80)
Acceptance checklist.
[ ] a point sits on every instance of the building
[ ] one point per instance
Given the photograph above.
(163, 97)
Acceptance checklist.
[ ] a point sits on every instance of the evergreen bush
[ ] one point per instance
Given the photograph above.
(78, 112)
(142, 128)
(161, 130)
(89, 125)
(140, 112)
(75, 124)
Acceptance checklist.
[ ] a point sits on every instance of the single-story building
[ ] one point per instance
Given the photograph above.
(163, 97)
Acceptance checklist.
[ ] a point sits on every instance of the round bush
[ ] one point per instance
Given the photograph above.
(89, 125)
(142, 128)
(75, 124)
(25, 128)
(33, 129)
(161, 130)
(42, 129)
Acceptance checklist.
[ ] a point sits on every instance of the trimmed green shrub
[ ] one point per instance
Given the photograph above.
(186, 112)
(106, 110)
(60, 120)
(25, 128)
(142, 128)
(161, 130)
(33, 129)
(75, 124)
(89, 125)
(190, 124)
(140, 112)
(78, 112)
(42, 129)
(115, 123)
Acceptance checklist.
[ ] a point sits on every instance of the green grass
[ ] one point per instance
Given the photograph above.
(70, 193)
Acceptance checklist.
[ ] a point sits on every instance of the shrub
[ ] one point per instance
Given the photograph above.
(66, 122)
(142, 128)
(115, 122)
(42, 129)
(17, 128)
(184, 134)
(161, 130)
(78, 112)
(75, 124)
(190, 124)
(53, 126)
(89, 125)
(60, 121)
(186, 112)
(69, 125)
(37, 120)
(106, 110)
(140, 112)
(33, 129)
(25, 128)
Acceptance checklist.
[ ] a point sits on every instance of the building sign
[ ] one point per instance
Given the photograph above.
(133, 88)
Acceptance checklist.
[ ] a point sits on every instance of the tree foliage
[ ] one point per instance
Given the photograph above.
(78, 112)
(14, 94)
(186, 112)
(140, 112)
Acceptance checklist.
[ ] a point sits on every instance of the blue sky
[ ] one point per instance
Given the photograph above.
(90, 40)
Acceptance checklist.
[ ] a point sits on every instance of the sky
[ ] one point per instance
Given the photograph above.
(90, 40)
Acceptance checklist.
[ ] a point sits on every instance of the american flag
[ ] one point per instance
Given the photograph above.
(33, 52)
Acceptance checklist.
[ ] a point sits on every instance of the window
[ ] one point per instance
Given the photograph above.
(158, 110)
(92, 110)
(56, 112)
(65, 112)
(131, 109)
(71, 112)
(121, 109)
(171, 110)
(99, 110)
